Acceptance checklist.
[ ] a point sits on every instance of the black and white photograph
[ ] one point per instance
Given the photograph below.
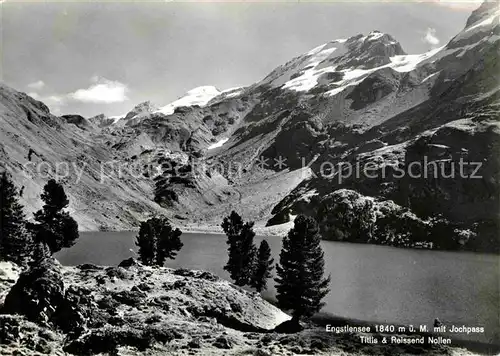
(266, 178)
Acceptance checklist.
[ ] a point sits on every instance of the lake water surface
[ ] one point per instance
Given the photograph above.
(372, 283)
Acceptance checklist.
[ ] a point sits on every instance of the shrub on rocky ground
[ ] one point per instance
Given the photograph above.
(223, 342)
(107, 340)
(37, 293)
(75, 310)
(22, 337)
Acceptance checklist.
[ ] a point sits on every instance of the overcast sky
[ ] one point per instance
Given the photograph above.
(92, 58)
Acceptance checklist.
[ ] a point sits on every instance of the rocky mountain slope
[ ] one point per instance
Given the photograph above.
(455, 118)
(36, 145)
(281, 146)
(136, 310)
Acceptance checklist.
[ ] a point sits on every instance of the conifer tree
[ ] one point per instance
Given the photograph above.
(232, 226)
(146, 243)
(54, 226)
(15, 241)
(300, 283)
(168, 242)
(263, 267)
(248, 254)
(157, 241)
(241, 249)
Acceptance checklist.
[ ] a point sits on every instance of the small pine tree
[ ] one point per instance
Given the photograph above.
(232, 226)
(157, 241)
(248, 254)
(15, 241)
(54, 226)
(300, 283)
(168, 243)
(241, 248)
(263, 267)
(146, 243)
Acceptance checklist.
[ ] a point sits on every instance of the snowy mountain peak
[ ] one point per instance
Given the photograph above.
(373, 49)
(485, 19)
(479, 37)
(482, 13)
(328, 63)
(142, 108)
(145, 106)
(482, 25)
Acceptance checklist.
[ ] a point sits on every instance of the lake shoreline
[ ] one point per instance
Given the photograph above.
(281, 230)
(364, 285)
(259, 228)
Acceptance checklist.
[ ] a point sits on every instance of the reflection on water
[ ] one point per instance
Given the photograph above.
(368, 282)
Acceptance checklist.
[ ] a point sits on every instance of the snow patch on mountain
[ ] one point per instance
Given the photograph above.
(308, 195)
(409, 62)
(232, 95)
(232, 89)
(486, 22)
(308, 80)
(116, 118)
(374, 35)
(217, 144)
(198, 96)
(301, 73)
(429, 77)
(399, 63)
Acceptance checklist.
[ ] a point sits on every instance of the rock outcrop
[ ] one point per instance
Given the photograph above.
(9, 274)
(78, 121)
(138, 310)
(102, 309)
(37, 294)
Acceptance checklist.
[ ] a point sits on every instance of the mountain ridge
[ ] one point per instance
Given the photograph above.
(356, 99)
